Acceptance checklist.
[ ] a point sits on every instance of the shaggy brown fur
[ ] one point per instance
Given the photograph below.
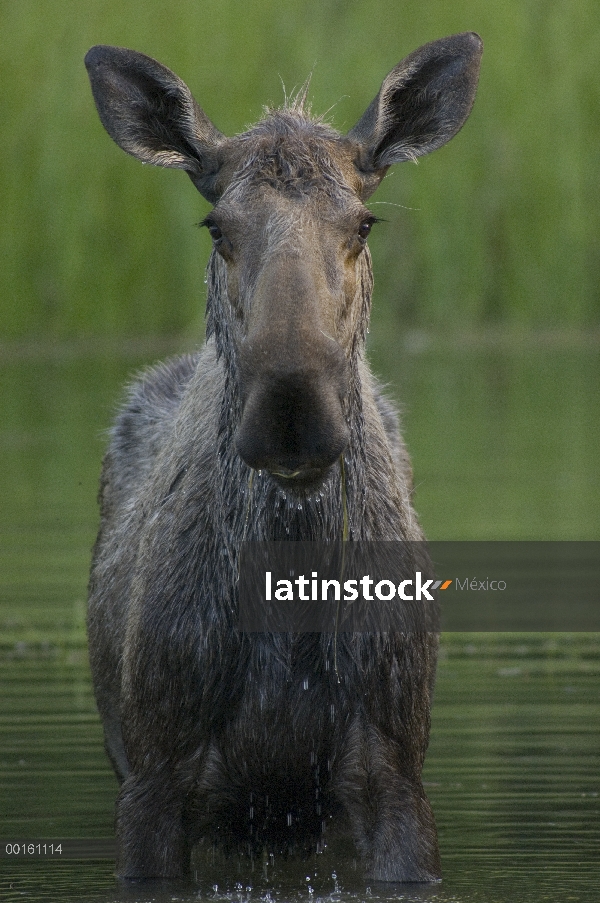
(256, 739)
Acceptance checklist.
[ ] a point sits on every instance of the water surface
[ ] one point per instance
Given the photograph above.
(505, 442)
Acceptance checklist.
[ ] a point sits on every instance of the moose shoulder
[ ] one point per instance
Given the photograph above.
(275, 430)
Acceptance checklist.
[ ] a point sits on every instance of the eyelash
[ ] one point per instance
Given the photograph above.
(214, 231)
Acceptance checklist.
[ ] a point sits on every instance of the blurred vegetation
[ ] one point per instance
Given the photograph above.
(501, 225)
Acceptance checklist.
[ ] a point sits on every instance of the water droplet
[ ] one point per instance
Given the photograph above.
(305, 683)
(251, 812)
(289, 819)
(287, 529)
(299, 506)
(332, 709)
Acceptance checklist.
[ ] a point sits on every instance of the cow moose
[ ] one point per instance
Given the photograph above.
(275, 430)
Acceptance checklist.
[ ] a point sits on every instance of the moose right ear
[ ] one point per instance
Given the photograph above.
(151, 113)
(421, 105)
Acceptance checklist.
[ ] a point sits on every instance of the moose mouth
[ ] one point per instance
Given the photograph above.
(302, 478)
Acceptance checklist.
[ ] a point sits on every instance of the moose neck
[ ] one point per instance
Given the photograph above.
(254, 506)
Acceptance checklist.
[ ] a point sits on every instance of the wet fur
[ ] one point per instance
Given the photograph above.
(255, 740)
(222, 717)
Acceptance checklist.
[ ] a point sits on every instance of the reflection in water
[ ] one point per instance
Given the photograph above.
(504, 446)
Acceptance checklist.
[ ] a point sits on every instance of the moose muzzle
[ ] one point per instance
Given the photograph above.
(293, 422)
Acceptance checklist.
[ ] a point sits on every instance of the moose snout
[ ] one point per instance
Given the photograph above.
(293, 422)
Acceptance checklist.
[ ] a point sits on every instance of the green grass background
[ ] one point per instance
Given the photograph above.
(502, 225)
(487, 321)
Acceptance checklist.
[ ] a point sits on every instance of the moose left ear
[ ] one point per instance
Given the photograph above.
(149, 112)
(421, 105)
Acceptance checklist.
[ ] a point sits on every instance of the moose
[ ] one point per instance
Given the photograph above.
(275, 430)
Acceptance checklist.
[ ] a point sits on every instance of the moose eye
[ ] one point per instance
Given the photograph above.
(365, 228)
(214, 231)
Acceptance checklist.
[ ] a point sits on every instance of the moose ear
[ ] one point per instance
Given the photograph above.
(151, 114)
(422, 103)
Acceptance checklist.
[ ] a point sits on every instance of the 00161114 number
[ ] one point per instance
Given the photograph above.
(32, 849)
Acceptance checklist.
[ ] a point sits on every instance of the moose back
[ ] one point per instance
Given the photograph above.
(275, 430)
